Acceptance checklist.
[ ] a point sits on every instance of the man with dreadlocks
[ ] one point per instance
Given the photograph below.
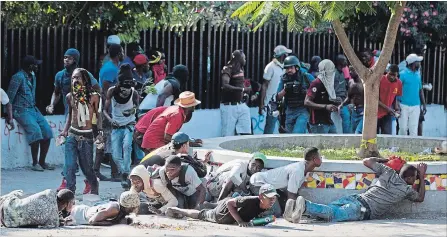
(321, 99)
(124, 100)
(83, 101)
(235, 114)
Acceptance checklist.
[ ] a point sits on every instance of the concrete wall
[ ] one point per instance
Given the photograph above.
(204, 124)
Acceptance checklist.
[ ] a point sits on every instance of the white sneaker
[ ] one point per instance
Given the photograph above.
(300, 206)
(289, 208)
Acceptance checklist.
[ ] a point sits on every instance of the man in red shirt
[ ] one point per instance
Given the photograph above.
(390, 87)
(155, 129)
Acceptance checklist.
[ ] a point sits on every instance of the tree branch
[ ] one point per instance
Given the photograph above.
(390, 39)
(348, 50)
(82, 9)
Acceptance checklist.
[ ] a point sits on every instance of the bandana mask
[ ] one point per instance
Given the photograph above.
(80, 99)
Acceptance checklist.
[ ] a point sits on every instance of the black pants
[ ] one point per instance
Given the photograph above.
(384, 125)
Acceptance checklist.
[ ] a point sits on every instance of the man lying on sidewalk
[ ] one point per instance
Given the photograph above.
(106, 214)
(38, 210)
(230, 210)
(288, 179)
(390, 189)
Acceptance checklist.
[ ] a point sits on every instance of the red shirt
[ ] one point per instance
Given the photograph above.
(387, 93)
(169, 121)
(147, 119)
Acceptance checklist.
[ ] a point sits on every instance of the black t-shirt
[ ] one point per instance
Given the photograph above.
(320, 96)
(236, 80)
(247, 207)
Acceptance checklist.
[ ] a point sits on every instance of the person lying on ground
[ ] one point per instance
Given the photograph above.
(179, 145)
(106, 214)
(289, 177)
(38, 210)
(183, 182)
(240, 210)
(156, 198)
(234, 176)
(390, 189)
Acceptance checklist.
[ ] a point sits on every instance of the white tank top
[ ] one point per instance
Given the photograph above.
(118, 109)
(150, 101)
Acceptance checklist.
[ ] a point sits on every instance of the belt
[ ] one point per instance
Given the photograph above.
(367, 212)
(128, 126)
(79, 136)
(231, 103)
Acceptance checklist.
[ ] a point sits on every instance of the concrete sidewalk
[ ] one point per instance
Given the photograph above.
(31, 182)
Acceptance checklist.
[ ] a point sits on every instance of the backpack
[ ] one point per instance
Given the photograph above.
(161, 174)
(195, 163)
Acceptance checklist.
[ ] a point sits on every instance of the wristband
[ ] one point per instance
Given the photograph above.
(243, 89)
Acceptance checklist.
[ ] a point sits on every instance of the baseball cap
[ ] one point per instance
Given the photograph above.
(260, 156)
(413, 58)
(268, 190)
(280, 50)
(113, 39)
(140, 59)
(30, 60)
(179, 138)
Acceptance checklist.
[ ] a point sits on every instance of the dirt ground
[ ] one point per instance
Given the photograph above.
(31, 182)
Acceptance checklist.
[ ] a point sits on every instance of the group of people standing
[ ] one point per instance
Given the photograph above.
(315, 98)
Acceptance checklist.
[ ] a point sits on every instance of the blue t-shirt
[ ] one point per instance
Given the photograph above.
(109, 72)
(62, 80)
(411, 85)
(128, 61)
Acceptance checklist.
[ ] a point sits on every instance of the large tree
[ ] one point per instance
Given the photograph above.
(299, 14)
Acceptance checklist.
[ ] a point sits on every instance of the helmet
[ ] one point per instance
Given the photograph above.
(291, 61)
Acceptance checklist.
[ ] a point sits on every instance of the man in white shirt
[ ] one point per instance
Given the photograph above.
(288, 178)
(183, 182)
(234, 176)
(4, 100)
(272, 75)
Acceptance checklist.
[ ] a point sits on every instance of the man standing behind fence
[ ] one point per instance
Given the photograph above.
(22, 94)
(272, 75)
(234, 113)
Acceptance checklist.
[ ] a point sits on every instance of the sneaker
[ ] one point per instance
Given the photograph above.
(47, 166)
(300, 206)
(115, 178)
(289, 208)
(63, 185)
(37, 167)
(87, 188)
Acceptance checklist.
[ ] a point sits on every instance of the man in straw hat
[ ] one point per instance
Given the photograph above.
(155, 129)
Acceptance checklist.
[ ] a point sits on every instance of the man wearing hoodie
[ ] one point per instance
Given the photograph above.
(157, 197)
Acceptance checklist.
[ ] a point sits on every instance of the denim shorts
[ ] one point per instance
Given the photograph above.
(34, 124)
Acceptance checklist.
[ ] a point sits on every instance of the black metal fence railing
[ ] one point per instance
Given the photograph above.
(201, 48)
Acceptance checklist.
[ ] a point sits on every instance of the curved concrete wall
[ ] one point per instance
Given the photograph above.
(336, 178)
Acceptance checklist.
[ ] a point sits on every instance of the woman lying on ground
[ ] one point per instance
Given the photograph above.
(110, 213)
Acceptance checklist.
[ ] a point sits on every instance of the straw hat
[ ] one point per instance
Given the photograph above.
(187, 99)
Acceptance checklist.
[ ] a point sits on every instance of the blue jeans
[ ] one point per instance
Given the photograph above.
(357, 120)
(81, 150)
(322, 128)
(296, 120)
(34, 124)
(344, 209)
(122, 148)
(139, 154)
(345, 119)
(270, 124)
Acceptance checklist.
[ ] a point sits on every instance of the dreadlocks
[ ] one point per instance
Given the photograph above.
(87, 89)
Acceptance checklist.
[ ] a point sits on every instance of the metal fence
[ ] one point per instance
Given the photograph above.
(195, 47)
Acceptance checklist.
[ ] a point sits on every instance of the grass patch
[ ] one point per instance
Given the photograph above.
(348, 154)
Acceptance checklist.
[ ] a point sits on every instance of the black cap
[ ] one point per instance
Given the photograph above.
(125, 73)
(30, 60)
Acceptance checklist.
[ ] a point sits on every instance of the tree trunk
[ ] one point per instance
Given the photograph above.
(368, 147)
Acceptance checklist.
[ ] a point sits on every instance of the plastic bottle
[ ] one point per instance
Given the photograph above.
(263, 220)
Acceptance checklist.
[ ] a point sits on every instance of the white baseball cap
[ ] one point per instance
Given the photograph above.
(113, 39)
(280, 50)
(413, 58)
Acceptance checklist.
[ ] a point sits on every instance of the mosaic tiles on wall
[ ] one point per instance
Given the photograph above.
(359, 181)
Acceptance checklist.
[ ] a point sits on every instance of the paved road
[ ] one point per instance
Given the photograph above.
(31, 182)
